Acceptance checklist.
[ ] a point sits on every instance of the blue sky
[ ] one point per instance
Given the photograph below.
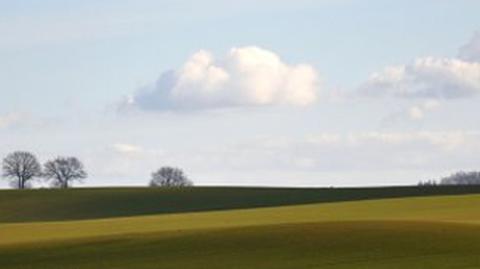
(87, 78)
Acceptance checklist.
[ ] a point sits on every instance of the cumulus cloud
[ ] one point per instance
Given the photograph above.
(471, 50)
(441, 78)
(246, 76)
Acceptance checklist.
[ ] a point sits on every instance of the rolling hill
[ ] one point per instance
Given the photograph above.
(441, 231)
(97, 203)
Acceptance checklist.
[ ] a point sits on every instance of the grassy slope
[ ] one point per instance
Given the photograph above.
(77, 204)
(462, 209)
(423, 232)
(346, 245)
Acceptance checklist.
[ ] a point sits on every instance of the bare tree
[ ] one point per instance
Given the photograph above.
(169, 177)
(21, 167)
(63, 171)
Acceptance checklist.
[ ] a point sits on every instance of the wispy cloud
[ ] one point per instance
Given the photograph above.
(348, 152)
(127, 148)
(10, 119)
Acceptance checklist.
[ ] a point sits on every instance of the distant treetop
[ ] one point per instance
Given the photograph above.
(169, 177)
(462, 178)
(459, 178)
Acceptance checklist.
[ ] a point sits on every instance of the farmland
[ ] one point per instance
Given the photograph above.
(322, 230)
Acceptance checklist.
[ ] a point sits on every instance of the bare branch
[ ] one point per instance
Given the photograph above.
(20, 167)
(63, 171)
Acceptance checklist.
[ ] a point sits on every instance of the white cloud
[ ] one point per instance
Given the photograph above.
(418, 112)
(471, 50)
(126, 148)
(10, 119)
(413, 111)
(247, 76)
(426, 78)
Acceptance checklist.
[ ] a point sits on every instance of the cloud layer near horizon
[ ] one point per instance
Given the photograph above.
(246, 76)
(319, 152)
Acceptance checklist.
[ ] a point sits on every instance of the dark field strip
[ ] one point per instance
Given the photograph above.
(94, 203)
(340, 245)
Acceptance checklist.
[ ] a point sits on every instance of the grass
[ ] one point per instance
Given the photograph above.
(461, 209)
(78, 204)
(343, 245)
(415, 232)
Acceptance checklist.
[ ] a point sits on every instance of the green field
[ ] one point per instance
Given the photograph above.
(281, 228)
(77, 204)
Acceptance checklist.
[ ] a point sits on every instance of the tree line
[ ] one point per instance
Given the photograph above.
(22, 168)
(458, 178)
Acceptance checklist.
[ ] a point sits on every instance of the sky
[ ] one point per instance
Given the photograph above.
(264, 93)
